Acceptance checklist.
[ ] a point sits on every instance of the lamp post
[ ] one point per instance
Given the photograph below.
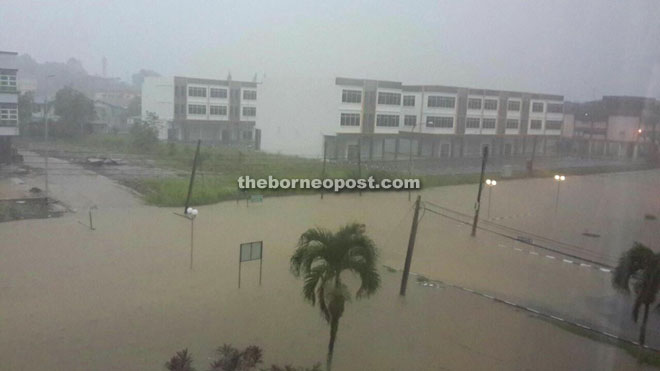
(490, 183)
(558, 179)
(46, 152)
(191, 214)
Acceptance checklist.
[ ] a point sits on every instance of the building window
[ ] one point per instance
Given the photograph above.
(440, 122)
(8, 114)
(194, 91)
(409, 101)
(409, 120)
(537, 107)
(512, 124)
(555, 108)
(552, 124)
(472, 123)
(218, 110)
(350, 119)
(7, 80)
(474, 103)
(489, 123)
(249, 111)
(351, 96)
(196, 109)
(513, 105)
(250, 94)
(441, 102)
(490, 104)
(247, 135)
(392, 99)
(387, 120)
(535, 124)
(218, 93)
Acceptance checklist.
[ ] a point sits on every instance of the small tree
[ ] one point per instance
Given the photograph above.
(321, 257)
(642, 265)
(144, 134)
(75, 110)
(182, 361)
(232, 359)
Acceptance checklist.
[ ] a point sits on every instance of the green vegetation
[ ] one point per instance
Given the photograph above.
(320, 258)
(642, 265)
(231, 359)
(220, 167)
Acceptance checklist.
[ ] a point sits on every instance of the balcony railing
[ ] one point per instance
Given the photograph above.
(8, 89)
(8, 123)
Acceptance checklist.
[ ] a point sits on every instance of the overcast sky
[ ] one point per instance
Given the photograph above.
(581, 49)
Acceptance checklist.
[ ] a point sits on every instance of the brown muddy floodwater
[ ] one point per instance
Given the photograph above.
(122, 297)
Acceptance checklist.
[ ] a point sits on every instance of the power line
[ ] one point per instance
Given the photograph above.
(569, 254)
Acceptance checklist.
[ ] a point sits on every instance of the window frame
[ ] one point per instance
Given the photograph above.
(438, 99)
(350, 118)
(396, 119)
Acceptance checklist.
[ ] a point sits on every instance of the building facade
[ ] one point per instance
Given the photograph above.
(215, 111)
(8, 104)
(615, 126)
(388, 120)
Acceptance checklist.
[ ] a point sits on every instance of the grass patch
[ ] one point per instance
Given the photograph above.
(220, 167)
(644, 356)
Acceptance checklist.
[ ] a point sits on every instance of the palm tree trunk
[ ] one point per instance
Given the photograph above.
(642, 330)
(334, 325)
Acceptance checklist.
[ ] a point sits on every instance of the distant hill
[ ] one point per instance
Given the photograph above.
(72, 73)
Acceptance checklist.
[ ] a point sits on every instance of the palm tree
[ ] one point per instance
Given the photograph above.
(321, 256)
(182, 361)
(643, 265)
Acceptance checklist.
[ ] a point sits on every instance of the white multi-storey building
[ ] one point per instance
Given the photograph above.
(8, 103)
(442, 121)
(215, 111)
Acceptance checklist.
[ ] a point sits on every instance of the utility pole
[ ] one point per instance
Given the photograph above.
(46, 144)
(410, 157)
(481, 184)
(530, 166)
(360, 161)
(324, 160)
(411, 246)
(192, 177)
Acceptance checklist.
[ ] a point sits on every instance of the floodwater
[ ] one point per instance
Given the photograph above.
(122, 297)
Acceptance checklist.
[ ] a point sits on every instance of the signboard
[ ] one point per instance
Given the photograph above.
(250, 251)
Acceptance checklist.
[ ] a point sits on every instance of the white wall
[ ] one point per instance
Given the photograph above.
(158, 97)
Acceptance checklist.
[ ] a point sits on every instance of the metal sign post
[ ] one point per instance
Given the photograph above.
(250, 251)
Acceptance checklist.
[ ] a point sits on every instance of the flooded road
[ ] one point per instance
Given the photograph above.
(122, 297)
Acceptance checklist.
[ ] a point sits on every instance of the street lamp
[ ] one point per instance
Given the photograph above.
(490, 183)
(191, 214)
(558, 179)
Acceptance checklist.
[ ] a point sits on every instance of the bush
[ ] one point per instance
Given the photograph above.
(144, 136)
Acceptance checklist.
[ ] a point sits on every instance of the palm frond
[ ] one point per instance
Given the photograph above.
(312, 246)
(314, 278)
(638, 258)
